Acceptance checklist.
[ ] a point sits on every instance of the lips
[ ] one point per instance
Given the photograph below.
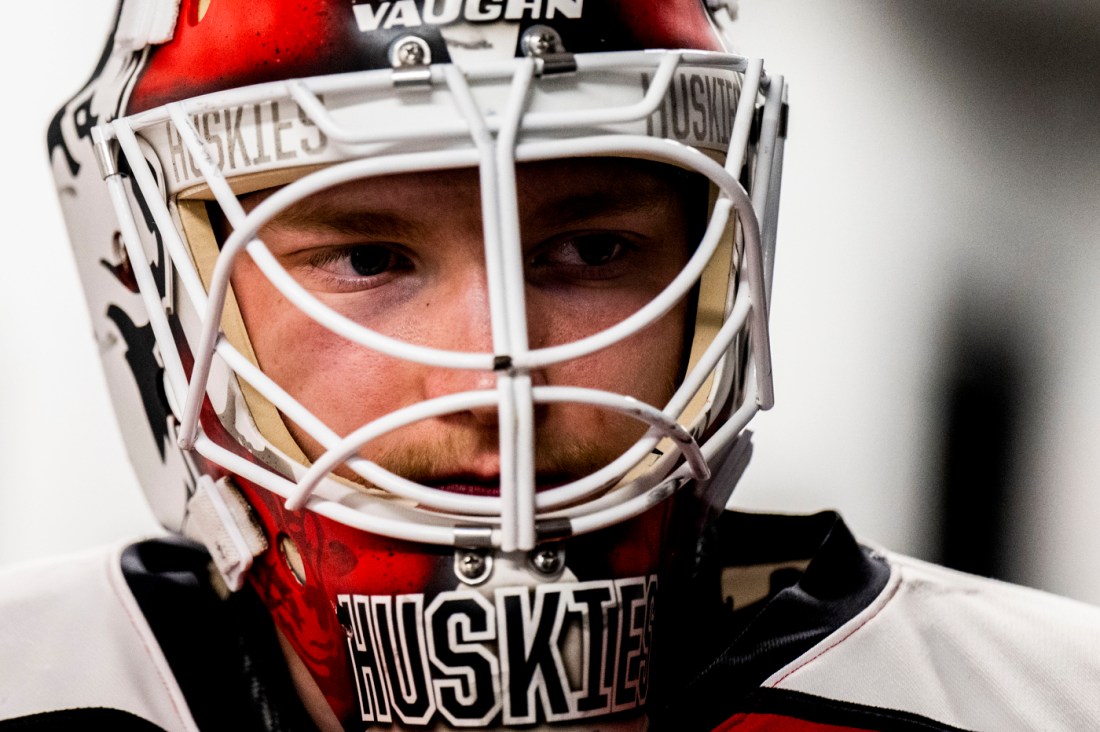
(467, 488)
(473, 486)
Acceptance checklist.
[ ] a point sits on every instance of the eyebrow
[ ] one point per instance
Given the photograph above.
(336, 217)
(576, 208)
(327, 217)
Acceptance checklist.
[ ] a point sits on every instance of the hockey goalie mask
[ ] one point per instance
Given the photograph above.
(438, 321)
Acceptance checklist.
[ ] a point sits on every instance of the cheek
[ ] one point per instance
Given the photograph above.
(555, 318)
(644, 366)
(342, 383)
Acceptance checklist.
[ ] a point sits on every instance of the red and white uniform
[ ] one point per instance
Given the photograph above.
(844, 638)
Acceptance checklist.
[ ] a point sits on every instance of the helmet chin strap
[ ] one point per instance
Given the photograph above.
(219, 517)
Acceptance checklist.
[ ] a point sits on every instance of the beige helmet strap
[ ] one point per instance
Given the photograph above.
(196, 226)
(716, 289)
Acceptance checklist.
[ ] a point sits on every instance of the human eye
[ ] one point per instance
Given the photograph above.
(353, 267)
(587, 255)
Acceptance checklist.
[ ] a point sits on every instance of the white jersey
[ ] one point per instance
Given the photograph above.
(74, 638)
(134, 639)
(841, 638)
(939, 649)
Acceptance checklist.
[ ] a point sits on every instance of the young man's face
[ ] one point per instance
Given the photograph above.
(404, 256)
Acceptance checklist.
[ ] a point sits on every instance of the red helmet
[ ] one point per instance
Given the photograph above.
(438, 322)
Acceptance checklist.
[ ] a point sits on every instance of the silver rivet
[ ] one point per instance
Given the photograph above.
(540, 40)
(292, 558)
(473, 567)
(410, 54)
(410, 51)
(547, 561)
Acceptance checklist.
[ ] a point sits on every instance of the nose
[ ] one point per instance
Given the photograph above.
(457, 318)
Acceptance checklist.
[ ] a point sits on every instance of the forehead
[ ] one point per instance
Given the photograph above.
(563, 188)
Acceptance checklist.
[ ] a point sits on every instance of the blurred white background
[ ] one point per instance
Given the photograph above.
(942, 199)
(65, 481)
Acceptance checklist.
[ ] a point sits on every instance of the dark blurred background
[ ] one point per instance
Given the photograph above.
(936, 314)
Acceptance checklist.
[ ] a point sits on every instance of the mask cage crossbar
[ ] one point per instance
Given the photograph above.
(636, 146)
(307, 94)
(294, 292)
(497, 151)
(339, 449)
(390, 518)
(547, 500)
(344, 451)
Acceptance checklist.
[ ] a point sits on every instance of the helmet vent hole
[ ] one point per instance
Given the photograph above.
(292, 558)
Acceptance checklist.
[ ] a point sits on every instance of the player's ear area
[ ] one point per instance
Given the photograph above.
(219, 223)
